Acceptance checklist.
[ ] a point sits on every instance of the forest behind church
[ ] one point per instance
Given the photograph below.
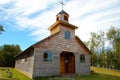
(105, 47)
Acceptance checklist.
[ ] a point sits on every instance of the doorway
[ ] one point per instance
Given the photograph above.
(67, 62)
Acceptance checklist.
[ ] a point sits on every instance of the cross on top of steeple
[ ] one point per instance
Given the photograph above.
(62, 4)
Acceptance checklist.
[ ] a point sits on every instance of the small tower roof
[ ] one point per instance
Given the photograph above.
(62, 12)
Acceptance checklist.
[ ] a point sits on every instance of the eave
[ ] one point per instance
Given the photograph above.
(64, 23)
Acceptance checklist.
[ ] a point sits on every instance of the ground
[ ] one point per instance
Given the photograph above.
(97, 74)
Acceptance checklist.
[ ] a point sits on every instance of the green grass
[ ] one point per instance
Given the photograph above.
(101, 74)
(15, 74)
(97, 74)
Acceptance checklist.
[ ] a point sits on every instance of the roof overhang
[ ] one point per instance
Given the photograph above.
(64, 23)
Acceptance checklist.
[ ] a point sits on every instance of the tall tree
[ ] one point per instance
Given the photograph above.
(96, 45)
(109, 59)
(8, 52)
(102, 59)
(113, 35)
(103, 56)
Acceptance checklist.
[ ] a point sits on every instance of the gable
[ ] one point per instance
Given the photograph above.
(58, 42)
(83, 45)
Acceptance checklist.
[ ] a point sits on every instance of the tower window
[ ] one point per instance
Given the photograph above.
(47, 56)
(82, 58)
(67, 35)
(65, 18)
(57, 19)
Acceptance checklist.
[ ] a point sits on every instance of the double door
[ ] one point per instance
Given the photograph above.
(67, 62)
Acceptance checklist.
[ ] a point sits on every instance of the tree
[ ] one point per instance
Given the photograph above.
(102, 59)
(1, 29)
(8, 52)
(113, 35)
(1, 58)
(96, 45)
(103, 56)
(109, 59)
(94, 60)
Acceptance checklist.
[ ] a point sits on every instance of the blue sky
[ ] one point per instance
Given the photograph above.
(27, 21)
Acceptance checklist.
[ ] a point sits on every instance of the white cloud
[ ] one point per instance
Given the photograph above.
(96, 13)
(4, 1)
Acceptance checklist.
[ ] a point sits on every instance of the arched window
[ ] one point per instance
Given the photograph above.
(82, 58)
(67, 35)
(47, 56)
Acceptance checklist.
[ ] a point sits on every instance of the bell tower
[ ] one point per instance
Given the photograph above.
(62, 16)
(62, 24)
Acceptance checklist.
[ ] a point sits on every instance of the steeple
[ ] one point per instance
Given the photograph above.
(62, 23)
(62, 16)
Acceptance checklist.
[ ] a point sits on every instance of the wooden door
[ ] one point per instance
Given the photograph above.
(67, 62)
(71, 64)
(62, 64)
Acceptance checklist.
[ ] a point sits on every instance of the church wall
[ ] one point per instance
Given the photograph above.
(43, 68)
(82, 68)
(59, 43)
(25, 62)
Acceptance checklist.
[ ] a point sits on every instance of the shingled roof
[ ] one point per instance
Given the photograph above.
(62, 12)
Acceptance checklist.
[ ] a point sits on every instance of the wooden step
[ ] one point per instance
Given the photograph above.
(68, 74)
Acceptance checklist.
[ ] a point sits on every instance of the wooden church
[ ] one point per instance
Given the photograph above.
(60, 53)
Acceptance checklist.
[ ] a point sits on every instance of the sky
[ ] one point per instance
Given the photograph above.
(27, 21)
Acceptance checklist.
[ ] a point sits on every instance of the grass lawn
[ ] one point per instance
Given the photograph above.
(98, 74)
(15, 74)
(101, 74)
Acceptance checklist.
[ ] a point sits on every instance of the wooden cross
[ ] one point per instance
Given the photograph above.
(62, 4)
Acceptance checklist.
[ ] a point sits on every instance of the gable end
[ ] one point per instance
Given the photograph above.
(83, 45)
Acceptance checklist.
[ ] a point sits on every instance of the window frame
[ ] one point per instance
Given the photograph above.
(82, 58)
(67, 34)
(47, 56)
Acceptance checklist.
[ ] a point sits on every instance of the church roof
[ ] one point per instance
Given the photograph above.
(64, 23)
(62, 12)
(35, 45)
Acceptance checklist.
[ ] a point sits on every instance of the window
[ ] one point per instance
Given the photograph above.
(67, 35)
(57, 19)
(65, 18)
(82, 58)
(47, 56)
